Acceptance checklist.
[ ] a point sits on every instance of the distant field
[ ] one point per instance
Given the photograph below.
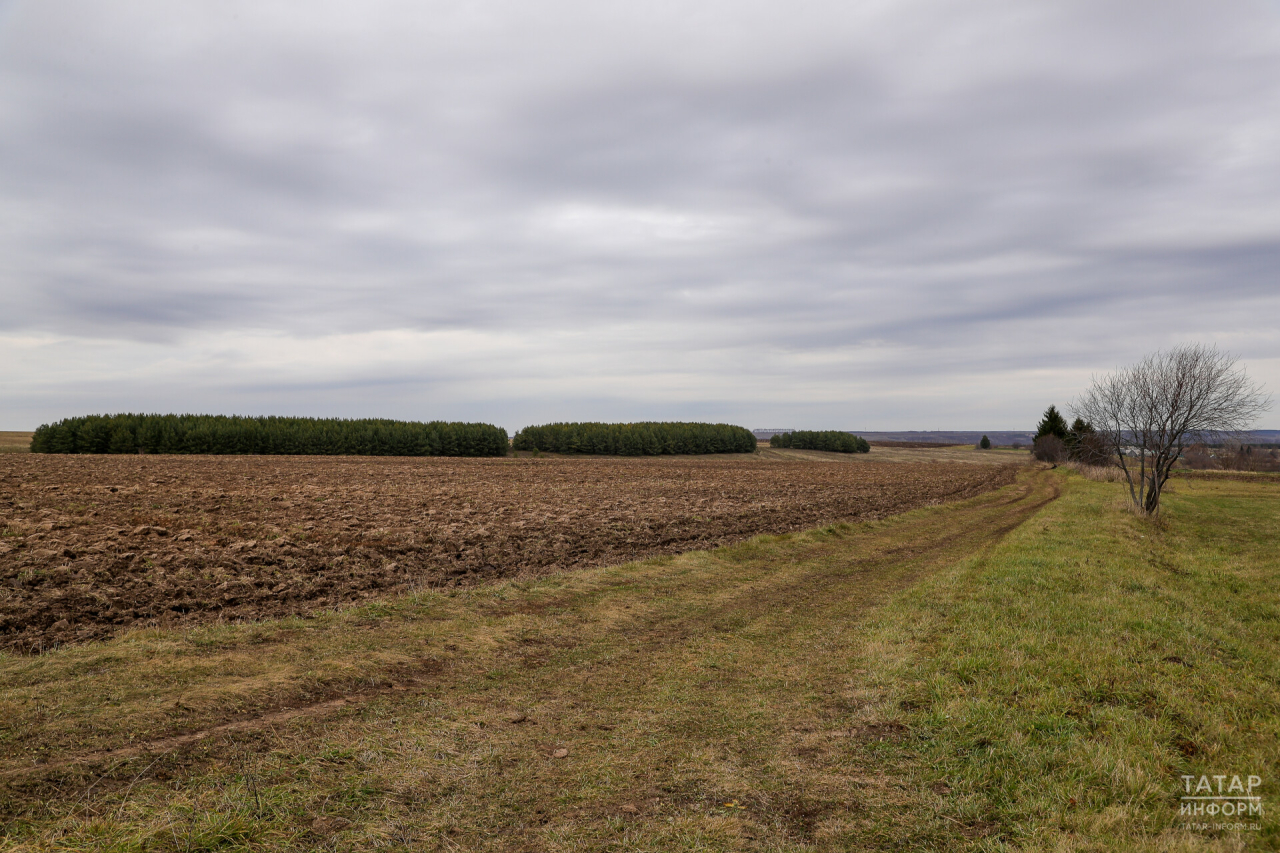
(15, 442)
(967, 454)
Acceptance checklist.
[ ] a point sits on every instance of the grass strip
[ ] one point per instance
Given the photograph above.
(1060, 687)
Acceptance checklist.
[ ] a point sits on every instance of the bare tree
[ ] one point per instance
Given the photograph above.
(1148, 413)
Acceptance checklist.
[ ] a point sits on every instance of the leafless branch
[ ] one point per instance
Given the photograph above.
(1150, 412)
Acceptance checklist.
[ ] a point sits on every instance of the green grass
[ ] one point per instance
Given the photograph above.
(1063, 683)
(996, 674)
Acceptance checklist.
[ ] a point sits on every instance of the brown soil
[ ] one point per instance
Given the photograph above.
(91, 545)
(927, 444)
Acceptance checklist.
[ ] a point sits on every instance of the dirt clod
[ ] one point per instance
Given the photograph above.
(329, 825)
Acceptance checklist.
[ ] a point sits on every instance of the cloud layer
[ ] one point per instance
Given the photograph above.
(876, 216)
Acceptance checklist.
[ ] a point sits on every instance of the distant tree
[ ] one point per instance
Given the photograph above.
(128, 433)
(1164, 404)
(1080, 425)
(1084, 445)
(985, 444)
(1052, 423)
(635, 439)
(122, 441)
(1238, 456)
(831, 439)
(1199, 458)
(1091, 449)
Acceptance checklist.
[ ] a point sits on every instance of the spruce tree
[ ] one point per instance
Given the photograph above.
(1053, 424)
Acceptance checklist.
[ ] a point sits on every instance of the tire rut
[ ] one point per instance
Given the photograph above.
(751, 604)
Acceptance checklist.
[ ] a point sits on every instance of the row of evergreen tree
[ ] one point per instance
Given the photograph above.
(221, 434)
(640, 439)
(830, 439)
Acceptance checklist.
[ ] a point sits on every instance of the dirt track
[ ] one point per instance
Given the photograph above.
(92, 545)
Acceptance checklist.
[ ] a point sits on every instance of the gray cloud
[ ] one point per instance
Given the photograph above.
(894, 216)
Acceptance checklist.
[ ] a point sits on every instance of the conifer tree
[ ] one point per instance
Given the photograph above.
(1052, 423)
(219, 434)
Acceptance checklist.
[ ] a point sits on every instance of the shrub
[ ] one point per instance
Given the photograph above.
(1199, 458)
(1049, 448)
(832, 440)
(1089, 448)
(985, 444)
(222, 434)
(638, 439)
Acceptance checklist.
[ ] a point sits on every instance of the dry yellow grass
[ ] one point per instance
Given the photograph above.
(1097, 473)
(15, 442)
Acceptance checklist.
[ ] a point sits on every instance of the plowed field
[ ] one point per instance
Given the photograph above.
(91, 545)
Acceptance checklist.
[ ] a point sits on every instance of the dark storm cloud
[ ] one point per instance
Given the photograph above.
(642, 200)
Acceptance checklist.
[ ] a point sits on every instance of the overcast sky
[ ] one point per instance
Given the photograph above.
(890, 215)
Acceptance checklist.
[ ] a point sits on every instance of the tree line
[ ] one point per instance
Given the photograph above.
(638, 439)
(223, 434)
(830, 439)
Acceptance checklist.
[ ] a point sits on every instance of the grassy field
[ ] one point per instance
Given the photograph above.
(15, 442)
(1034, 668)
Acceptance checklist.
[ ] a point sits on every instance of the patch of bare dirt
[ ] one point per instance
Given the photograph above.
(931, 445)
(91, 545)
